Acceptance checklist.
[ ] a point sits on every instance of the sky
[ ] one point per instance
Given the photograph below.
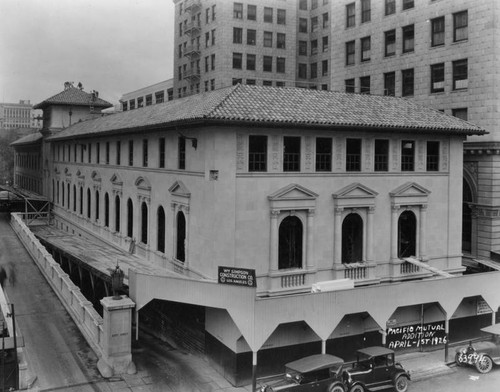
(112, 46)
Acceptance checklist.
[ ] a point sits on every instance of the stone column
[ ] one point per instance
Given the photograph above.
(394, 232)
(423, 229)
(369, 234)
(116, 343)
(310, 238)
(274, 240)
(337, 236)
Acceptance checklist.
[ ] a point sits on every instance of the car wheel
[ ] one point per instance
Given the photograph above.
(401, 384)
(458, 361)
(336, 388)
(357, 388)
(484, 364)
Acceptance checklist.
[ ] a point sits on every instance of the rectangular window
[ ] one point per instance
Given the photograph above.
(212, 61)
(314, 24)
(325, 44)
(381, 155)
(149, 100)
(323, 154)
(268, 15)
(460, 26)
(407, 155)
(237, 81)
(432, 156)
(302, 71)
(407, 4)
(251, 59)
(314, 47)
(268, 83)
(281, 16)
(145, 152)
(460, 75)
(437, 78)
(460, 113)
(89, 157)
(98, 152)
(140, 102)
(350, 15)
(314, 70)
(267, 64)
(132, 101)
(324, 68)
(353, 155)
(238, 11)
(390, 84)
(408, 83)
(251, 37)
(268, 39)
(118, 153)
(303, 5)
(390, 7)
(365, 11)
(437, 25)
(213, 37)
(107, 153)
(281, 41)
(408, 39)
(131, 153)
(291, 153)
(302, 25)
(124, 106)
(350, 52)
(207, 39)
(237, 60)
(302, 48)
(213, 12)
(207, 15)
(237, 35)
(349, 86)
(252, 12)
(212, 84)
(251, 82)
(365, 49)
(364, 85)
(181, 153)
(326, 22)
(257, 153)
(206, 64)
(390, 43)
(180, 51)
(280, 64)
(314, 4)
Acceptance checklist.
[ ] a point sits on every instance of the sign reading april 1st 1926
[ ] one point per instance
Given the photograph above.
(237, 276)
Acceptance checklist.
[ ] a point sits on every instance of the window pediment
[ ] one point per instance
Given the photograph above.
(179, 189)
(293, 196)
(143, 184)
(116, 180)
(95, 176)
(410, 193)
(355, 195)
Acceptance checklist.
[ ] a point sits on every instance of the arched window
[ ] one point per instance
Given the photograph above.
(68, 206)
(161, 230)
(466, 218)
(352, 239)
(106, 209)
(144, 223)
(181, 237)
(89, 203)
(74, 198)
(290, 243)
(81, 200)
(130, 218)
(117, 213)
(62, 196)
(96, 205)
(407, 234)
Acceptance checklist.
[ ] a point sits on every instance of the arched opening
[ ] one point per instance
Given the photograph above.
(74, 198)
(96, 205)
(117, 213)
(180, 253)
(161, 229)
(81, 200)
(144, 223)
(130, 218)
(352, 239)
(466, 218)
(106, 209)
(407, 234)
(290, 243)
(89, 203)
(57, 192)
(62, 196)
(68, 206)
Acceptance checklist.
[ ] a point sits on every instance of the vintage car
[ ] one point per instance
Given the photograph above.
(320, 372)
(375, 369)
(481, 355)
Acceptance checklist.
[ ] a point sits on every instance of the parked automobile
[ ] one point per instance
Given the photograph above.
(481, 355)
(375, 369)
(320, 372)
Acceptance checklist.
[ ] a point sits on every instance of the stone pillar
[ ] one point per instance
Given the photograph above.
(274, 240)
(422, 249)
(337, 236)
(369, 234)
(116, 344)
(394, 232)
(310, 239)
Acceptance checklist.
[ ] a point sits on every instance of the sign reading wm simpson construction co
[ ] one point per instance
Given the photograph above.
(237, 276)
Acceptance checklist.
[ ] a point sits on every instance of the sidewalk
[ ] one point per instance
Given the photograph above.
(423, 365)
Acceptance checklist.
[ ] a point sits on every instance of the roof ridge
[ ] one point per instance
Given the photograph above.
(223, 100)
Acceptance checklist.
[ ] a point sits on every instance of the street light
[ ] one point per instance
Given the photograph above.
(117, 281)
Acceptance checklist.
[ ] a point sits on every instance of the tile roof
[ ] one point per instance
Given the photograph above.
(73, 96)
(271, 106)
(28, 139)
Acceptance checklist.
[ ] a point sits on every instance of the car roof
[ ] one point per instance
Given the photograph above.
(375, 351)
(494, 329)
(314, 362)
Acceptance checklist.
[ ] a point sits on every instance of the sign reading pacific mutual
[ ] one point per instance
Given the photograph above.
(419, 335)
(237, 276)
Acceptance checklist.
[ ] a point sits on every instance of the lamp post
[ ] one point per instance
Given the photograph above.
(117, 281)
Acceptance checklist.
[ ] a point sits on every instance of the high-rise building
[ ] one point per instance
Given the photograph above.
(18, 115)
(149, 95)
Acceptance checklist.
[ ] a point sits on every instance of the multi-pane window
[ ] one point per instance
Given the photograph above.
(314, 70)
(353, 155)
(460, 75)
(314, 4)
(280, 64)
(365, 11)
(365, 49)
(460, 26)
(237, 60)
(89, 153)
(125, 106)
(324, 68)
(390, 83)
(460, 113)
(407, 4)
(251, 37)
(314, 47)
(181, 153)
(149, 99)
(251, 60)
(107, 153)
(238, 10)
(364, 85)
(325, 44)
(257, 153)
(281, 40)
(267, 65)
(268, 39)
(326, 19)
(390, 43)
(212, 61)
(314, 24)
(291, 153)
(161, 152)
(303, 5)
(432, 156)
(145, 155)
(267, 83)
(130, 152)
(252, 12)
(323, 154)
(302, 48)
(437, 31)
(251, 82)
(349, 86)
(408, 39)
(407, 155)
(237, 35)
(390, 7)
(213, 37)
(302, 71)
(268, 15)
(281, 16)
(437, 78)
(98, 152)
(350, 52)
(381, 155)
(408, 83)
(350, 15)
(237, 81)
(302, 25)
(140, 102)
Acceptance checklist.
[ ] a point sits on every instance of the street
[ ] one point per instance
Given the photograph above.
(465, 379)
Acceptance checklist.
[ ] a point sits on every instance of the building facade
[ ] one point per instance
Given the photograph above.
(19, 116)
(146, 96)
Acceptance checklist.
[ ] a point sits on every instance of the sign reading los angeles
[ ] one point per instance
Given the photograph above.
(237, 276)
